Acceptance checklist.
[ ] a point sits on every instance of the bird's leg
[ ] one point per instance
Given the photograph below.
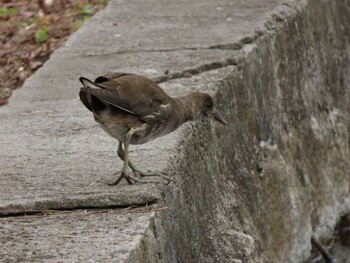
(123, 172)
(121, 154)
(125, 159)
(124, 155)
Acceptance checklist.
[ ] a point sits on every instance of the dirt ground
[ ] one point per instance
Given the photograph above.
(31, 30)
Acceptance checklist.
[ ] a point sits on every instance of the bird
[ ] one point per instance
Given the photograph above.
(135, 110)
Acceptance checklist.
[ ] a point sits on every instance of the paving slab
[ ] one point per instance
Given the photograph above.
(78, 236)
(52, 150)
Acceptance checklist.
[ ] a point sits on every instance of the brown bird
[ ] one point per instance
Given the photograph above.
(135, 110)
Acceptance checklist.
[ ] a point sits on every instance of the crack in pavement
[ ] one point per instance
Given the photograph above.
(227, 46)
(81, 211)
(197, 70)
(231, 61)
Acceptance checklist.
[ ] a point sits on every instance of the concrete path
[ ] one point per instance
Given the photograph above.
(54, 156)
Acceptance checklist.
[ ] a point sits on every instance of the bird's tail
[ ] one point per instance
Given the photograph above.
(88, 83)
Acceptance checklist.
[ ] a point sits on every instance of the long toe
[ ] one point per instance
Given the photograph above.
(137, 179)
(121, 176)
(155, 173)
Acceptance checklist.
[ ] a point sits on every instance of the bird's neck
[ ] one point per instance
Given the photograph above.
(184, 108)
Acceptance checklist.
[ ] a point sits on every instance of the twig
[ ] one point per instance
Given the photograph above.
(325, 253)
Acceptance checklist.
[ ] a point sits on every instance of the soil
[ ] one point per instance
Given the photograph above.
(31, 30)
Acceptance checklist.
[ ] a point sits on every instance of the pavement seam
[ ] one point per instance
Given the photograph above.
(278, 18)
(197, 70)
(149, 207)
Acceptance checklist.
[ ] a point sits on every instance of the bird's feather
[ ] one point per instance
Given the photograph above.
(83, 97)
(132, 93)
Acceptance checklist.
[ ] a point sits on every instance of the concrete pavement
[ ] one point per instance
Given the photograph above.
(54, 156)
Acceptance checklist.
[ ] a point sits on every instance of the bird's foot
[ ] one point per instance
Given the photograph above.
(129, 178)
(122, 175)
(153, 173)
(137, 178)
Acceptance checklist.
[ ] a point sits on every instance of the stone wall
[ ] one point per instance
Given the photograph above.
(256, 190)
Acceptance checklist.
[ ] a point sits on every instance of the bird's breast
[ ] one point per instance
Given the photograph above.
(145, 129)
(146, 133)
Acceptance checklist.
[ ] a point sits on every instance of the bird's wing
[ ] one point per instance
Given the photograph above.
(132, 93)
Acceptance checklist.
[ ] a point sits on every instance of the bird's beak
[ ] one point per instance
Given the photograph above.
(217, 116)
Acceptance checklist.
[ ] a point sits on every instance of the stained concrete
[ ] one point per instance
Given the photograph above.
(72, 236)
(253, 191)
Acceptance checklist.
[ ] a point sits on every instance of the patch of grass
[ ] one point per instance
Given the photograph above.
(8, 11)
(86, 10)
(41, 35)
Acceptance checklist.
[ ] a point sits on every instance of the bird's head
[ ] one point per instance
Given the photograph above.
(204, 108)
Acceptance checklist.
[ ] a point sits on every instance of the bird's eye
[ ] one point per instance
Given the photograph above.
(209, 104)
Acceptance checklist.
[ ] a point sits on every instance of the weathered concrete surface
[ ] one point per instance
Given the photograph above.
(280, 171)
(72, 236)
(250, 192)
